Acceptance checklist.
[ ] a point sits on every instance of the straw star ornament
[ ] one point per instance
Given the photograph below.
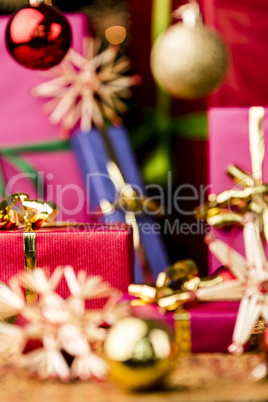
(252, 272)
(88, 88)
(63, 327)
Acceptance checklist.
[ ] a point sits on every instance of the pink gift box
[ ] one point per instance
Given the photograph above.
(200, 328)
(23, 122)
(229, 143)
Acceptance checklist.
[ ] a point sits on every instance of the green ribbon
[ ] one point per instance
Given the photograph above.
(14, 158)
(191, 126)
(161, 12)
(159, 127)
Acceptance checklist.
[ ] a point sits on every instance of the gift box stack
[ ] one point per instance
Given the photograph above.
(100, 249)
(228, 138)
(70, 156)
(37, 162)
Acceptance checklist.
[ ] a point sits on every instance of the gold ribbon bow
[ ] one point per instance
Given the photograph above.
(17, 210)
(174, 286)
(230, 206)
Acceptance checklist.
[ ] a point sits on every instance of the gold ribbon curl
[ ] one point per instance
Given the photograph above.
(174, 287)
(17, 210)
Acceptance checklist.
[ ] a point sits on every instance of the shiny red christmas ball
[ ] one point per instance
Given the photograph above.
(38, 37)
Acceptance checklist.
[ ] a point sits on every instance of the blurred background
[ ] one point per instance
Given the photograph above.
(161, 146)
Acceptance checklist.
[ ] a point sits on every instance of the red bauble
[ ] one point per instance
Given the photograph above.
(38, 37)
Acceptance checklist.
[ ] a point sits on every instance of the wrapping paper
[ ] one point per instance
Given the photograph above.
(206, 327)
(24, 122)
(200, 328)
(243, 26)
(99, 249)
(93, 157)
(229, 143)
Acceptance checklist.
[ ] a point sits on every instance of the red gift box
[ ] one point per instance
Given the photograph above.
(243, 25)
(99, 249)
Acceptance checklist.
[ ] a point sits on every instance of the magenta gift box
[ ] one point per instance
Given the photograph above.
(206, 327)
(23, 122)
(229, 143)
(200, 328)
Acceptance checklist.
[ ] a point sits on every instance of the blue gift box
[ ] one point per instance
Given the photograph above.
(93, 155)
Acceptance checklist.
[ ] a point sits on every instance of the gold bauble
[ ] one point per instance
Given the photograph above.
(141, 353)
(189, 62)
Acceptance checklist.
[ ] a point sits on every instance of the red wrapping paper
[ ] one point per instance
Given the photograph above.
(99, 249)
(243, 25)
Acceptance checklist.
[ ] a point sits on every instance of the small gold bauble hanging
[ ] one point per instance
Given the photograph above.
(141, 353)
(189, 60)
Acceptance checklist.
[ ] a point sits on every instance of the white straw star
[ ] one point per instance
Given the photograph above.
(88, 87)
(252, 272)
(62, 326)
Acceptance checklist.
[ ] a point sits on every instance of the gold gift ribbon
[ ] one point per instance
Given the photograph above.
(174, 287)
(229, 207)
(18, 210)
(183, 274)
(183, 332)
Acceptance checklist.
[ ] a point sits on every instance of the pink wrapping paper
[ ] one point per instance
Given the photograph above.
(211, 324)
(229, 143)
(24, 122)
(99, 249)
